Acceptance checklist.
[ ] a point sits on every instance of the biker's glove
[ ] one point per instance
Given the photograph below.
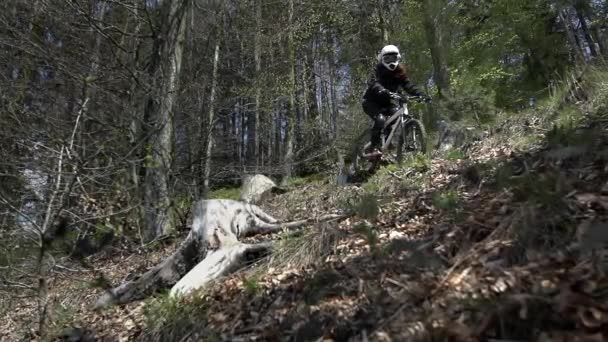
(394, 96)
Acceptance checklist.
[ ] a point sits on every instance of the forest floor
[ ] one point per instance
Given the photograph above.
(503, 243)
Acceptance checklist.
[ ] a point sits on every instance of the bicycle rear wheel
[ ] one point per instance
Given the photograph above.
(361, 143)
(412, 139)
(363, 165)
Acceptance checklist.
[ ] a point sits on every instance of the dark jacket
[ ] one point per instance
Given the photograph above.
(384, 81)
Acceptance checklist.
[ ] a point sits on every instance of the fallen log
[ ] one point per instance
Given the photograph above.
(211, 249)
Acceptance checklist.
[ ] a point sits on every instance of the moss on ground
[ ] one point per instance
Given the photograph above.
(225, 193)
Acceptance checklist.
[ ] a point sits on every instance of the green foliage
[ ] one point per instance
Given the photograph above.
(294, 182)
(597, 89)
(376, 184)
(447, 200)
(414, 183)
(471, 103)
(386, 181)
(252, 286)
(418, 162)
(63, 313)
(570, 136)
(454, 154)
(183, 203)
(225, 193)
(302, 249)
(546, 188)
(367, 206)
(171, 319)
(569, 115)
(369, 234)
(524, 141)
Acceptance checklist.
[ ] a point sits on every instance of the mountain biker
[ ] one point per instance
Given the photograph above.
(389, 77)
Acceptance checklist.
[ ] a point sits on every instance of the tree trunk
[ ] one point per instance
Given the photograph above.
(305, 89)
(571, 36)
(586, 32)
(601, 42)
(315, 107)
(88, 91)
(434, 35)
(210, 117)
(198, 136)
(382, 19)
(134, 114)
(331, 58)
(258, 72)
(278, 139)
(291, 115)
(272, 141)
(164, 71)
(243, 136)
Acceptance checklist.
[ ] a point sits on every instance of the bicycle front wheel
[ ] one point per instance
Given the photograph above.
(412, 139)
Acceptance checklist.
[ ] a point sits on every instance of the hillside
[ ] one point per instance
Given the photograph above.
(500, 244)
(503, 242)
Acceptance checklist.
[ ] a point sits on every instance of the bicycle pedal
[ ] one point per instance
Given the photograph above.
(373, 154)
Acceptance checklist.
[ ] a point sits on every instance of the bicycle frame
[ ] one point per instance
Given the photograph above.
(399, 119)
(410, 132)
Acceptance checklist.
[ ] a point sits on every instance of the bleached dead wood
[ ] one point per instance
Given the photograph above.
(212, 249)
(161, 276)
(255, 188)
(217, 263)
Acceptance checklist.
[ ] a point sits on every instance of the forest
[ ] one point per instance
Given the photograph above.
(149, 147)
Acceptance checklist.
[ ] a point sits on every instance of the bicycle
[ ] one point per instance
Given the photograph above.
(412, 138)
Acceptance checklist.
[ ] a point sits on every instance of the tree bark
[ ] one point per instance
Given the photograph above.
(135, 132)
(382, 19)
(164, 71)
(88, 90)
(210, 117)
(258, 71)
(333, 94)
(571, 36)
(578, 7)
(291, 115)
(434, 35)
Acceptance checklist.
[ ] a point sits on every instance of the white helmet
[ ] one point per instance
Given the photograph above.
(389, 57)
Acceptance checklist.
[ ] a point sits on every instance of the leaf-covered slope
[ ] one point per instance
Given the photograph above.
(497, 245)
(505, 242)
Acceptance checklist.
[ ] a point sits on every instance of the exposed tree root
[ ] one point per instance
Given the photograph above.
(217, 263)
(161, 276)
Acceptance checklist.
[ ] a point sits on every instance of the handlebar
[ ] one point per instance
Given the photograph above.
(408, 98)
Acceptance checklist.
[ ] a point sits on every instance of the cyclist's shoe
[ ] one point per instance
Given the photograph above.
(373, 153)
(376, 152)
